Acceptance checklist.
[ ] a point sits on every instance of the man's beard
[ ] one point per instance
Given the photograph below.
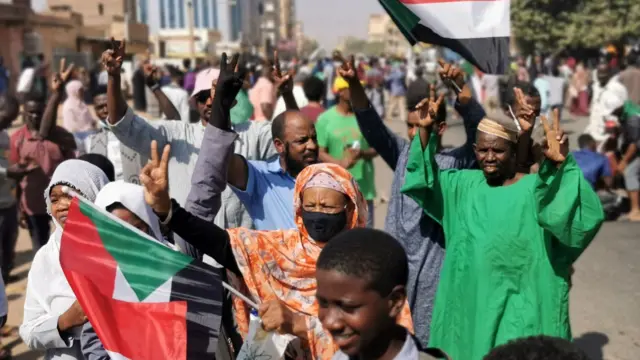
(293, 167)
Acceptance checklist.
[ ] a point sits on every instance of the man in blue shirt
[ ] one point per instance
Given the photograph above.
(594, 165)
(264, 187)
(396, 81)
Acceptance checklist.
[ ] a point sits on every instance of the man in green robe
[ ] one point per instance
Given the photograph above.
(510, 237)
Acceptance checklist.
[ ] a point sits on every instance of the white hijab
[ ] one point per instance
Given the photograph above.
(131, 196)
(47, 286)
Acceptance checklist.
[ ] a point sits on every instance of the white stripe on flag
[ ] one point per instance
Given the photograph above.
(464, 19)
(122, 291)
(116, 356)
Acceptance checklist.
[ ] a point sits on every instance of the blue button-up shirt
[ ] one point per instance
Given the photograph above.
(269, 195)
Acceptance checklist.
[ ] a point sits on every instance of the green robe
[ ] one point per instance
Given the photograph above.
(509, 250)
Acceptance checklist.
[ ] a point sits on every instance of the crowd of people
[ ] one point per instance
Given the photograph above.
(273, 184)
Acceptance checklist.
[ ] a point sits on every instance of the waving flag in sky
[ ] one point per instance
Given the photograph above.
(478, 30)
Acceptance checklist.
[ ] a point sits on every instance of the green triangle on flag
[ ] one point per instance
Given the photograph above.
(145, 265)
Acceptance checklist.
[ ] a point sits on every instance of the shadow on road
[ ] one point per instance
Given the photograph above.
(593, 344)
(22, 257)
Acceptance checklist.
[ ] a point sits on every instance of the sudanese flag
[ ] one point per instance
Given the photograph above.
(478, 30)
(144, 300)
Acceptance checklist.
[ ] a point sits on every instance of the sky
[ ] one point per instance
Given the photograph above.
(329, 20)
(324, 20)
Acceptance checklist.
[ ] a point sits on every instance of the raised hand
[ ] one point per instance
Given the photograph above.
(557, 146)
(525, 113)
(151, 75)
(428, 108)
(453, 77)
(62, 76)
(348, 68)
(229, 82)
(112, 58)
(155, 179)
(350, 157)
(283, 82)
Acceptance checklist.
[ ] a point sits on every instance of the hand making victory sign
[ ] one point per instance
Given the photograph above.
(283, 82)
(557, 146)
(429, 108)
(348, 68)
(155, 179)
(112, 58)
(62, 76)
(229, 82)
(525, 113)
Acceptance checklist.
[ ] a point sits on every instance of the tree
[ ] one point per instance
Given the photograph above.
(600, 22)
(540, 25)
(308, 47)
(552, 25)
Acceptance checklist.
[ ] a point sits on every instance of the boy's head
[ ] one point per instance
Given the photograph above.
(100, 103)
(537, 348)
(361, 275)
(33, 109)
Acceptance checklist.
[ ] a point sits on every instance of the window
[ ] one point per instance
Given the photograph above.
(205, 14)
(268, 7)
(100, 9)
(270, 24)
(172, 14)
(163, 20)
(181, 13)
(142, 11)
(214, 13)
(196, 13)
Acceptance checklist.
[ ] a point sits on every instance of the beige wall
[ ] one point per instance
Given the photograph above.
(90, 9)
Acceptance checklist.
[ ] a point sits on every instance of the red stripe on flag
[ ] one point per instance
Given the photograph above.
(145, 331)
(418, 2)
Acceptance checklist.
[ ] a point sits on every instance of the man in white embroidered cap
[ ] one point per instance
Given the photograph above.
(510, 237)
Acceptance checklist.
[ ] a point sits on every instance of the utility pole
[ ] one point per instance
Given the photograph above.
(192, 42)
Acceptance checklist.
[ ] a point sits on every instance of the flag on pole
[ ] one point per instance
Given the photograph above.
(144, 300)
(478, 30)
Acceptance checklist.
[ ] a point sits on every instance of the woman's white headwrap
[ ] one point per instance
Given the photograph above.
(131, 196)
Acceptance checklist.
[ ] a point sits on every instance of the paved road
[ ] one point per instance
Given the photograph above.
(605, 311)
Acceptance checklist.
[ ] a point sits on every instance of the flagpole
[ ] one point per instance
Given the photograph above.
(69, 191)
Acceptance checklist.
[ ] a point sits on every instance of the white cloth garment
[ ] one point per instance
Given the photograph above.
(605, 101)
(48, 292)
(131, 196)
(179, 97)
(298, 94)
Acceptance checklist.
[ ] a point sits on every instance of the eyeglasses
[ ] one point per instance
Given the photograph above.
(203, 96)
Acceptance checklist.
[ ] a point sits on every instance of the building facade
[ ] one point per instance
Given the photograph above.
(383, 30)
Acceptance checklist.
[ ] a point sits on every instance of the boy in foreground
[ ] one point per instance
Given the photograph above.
(361, 276)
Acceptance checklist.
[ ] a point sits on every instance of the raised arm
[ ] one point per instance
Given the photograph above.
(470, 110)
(567, 205)
(50, 115)
(204, 235)
(423, 180)
(112, 60)
(380, 138)
(166, 106)
(283, 83)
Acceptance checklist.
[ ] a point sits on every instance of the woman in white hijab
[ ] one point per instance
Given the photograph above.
(52, 316)
(126, 202)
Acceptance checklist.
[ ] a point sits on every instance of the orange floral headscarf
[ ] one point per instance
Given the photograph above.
(281, 264)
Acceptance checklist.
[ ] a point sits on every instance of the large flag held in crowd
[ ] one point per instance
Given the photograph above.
(144, 300)
(478, 30)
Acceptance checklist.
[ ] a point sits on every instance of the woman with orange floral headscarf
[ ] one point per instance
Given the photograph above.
(278, 267)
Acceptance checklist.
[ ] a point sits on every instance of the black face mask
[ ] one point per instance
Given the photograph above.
(322, 227)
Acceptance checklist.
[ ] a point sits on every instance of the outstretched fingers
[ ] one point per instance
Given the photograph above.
(164, 161)
(223, 61)
(545, 124)
(154, 154)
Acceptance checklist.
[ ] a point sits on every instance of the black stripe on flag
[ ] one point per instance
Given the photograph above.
(491, 55)
(200, 286)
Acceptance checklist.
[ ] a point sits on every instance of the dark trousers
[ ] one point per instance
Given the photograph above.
(8, 238)
(39, 229)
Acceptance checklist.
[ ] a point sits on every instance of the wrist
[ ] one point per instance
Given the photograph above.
(62, 323)
(300, 327)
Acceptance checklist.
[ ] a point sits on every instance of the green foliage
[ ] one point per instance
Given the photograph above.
(552, 25)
